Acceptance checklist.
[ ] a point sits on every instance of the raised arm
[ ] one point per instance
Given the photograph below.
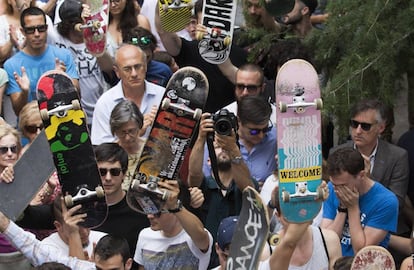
(171, 41)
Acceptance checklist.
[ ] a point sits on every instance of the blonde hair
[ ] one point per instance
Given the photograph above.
(6, 129)
(28, 110)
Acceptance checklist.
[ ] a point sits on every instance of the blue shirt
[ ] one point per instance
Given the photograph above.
(37, 65)
(378, 207)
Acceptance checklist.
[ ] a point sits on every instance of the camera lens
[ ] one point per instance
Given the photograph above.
(223, 126)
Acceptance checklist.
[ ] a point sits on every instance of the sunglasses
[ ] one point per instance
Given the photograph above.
(112, 171)
(6, 149)
(256, 131)
(158, 214)
(142, 41)
(33, 128)
(31, 29)
(250, 88)
(364, 126)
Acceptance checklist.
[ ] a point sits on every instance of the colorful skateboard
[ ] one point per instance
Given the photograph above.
(279, 7)
(31, 171)
(175, 15)
(74, 158)
(218, 17)
(299, 140)
(169, 139)
(95, 27)
(373, 257)
(250, 234)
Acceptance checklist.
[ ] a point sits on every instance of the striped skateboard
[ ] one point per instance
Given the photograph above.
(175, 14)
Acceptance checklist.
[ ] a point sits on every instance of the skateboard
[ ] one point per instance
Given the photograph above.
(95, 27)
(373, 257)
(169, 139)
(279, 7)
(299, 140)
(175, 14)
(250, 234)
(218, 18)
(69, 142)
(31, 171)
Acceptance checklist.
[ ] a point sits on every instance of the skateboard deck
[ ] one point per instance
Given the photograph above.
(169, 139)
(95, 27)
(279, 7)
(175, 15)
(373, 257)
(299, 140)
(73, 155)
(250, 234)
(31, 171)
(218, 17)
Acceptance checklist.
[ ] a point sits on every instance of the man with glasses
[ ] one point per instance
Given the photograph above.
(25, 68)
(385, 162)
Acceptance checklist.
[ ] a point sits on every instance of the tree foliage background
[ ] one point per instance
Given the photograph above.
(364, 51)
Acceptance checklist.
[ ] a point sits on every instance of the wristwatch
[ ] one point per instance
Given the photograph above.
(178, 208)
(237, 160)
(342, 210)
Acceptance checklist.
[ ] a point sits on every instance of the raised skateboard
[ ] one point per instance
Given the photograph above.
(69, 142)
(175, 15)
(95, 27)
(373, 257)
(31, 171)
(170, 136)
(218, 18)
(299, 141)
(277, 8)
(250, 234)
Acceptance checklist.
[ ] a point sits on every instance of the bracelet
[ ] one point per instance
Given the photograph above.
(342, 210)
(270, 205)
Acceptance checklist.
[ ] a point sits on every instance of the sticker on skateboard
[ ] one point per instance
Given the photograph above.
(69, 141)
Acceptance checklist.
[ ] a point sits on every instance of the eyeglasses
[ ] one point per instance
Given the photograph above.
(158, 214)
(131, 132)
(33, 128)
(251, 88)
(6, 149)
(364, 126)
(142, 41)
(31, 29)
(112, 171)
(256, 131)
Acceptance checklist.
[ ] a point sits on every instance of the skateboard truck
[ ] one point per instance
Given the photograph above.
(299, 103)
(144, 199)
(303, 193)
(181, 108)
(60, 111)
(83, 195)
(176, 4)
(216, 34)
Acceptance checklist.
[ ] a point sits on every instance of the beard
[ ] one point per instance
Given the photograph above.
(223, 165)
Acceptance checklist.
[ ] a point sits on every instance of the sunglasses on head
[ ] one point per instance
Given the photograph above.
(31, 29)
(142, 41)
(250, 88)
(256, 131)
(33, 128)
(5, 149)
(364, 126)
(112, 171)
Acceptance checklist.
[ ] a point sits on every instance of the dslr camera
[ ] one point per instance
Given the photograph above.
(224, 122)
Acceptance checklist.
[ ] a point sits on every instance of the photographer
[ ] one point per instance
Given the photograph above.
(232, 170)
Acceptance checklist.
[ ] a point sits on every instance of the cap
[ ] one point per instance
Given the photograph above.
(70, 10)
(226, 230)
(311, 4)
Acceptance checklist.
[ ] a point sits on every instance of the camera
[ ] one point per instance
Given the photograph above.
(224, 122)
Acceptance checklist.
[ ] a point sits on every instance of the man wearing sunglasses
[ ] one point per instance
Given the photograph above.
(25, 67)
(385, 162)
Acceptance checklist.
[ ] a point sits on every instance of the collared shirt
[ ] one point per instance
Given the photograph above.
(371, 156)
(101, 130)
(39, 253)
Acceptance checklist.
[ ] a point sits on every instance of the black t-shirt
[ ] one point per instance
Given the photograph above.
(221, 92)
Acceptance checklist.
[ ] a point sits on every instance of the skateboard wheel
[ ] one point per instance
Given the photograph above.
(197, 114)
(282, 107)
(76, 104)
(165, 103)
(44, 114)
(227, 41)
(78, 27)
(199, 35)
(68, 201)
(285, 196)
(274, 239)
(135, 184)
(96, 24)
(100, 193)
(318, 103)
(165, 7)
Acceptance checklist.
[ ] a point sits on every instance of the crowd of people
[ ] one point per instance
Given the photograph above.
(367, 180)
